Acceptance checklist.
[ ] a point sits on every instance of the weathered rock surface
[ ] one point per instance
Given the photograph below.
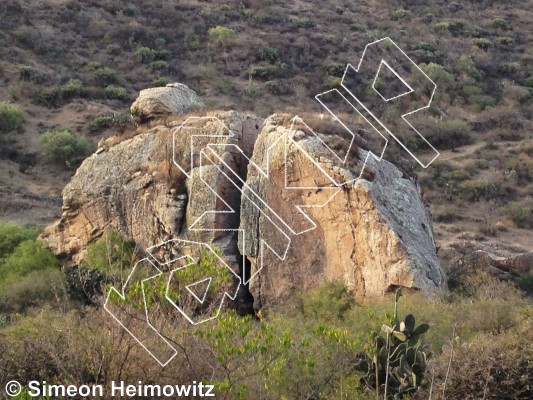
(373, 235)
(134, 188)
(505, 267)
(173, 99)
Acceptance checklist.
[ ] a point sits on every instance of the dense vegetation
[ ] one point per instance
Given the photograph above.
(474, 339)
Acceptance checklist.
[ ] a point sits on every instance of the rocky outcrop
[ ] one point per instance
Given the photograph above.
(173, 99)
(373, 234)
(505, 267)
(134, 188)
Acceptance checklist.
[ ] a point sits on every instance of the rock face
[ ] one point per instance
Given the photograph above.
(373, 235)
(173, 99)
(134, 188)
(505, 267)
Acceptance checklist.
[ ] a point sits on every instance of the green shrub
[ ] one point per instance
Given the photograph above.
(28, 36)
(399, 14)
(521, 213)
(161, 82)
(500, 23)
(221, 35)
(30, 74)
(158, 65)
(263, 72)
(275, 87)
(472, 188)
(113, 255)
(106, 76)
(529, 81)
(356, 26)
(447, 134)
(11, 235)
(505, 40)
(482, 43)
(33, 289)
(305, 22)
(144, 54)
(116, 93)
(73, 88)
(452, 25)
(132, 10)
(482, 100)
(49, 98)
(269, 54)
(113, 49)
(62, 146)
(162, 54)
(440, 75)
(467, 65)
(525, 283)
(28, 256)
(99, 123)
(11, 117)
(331, 82)
(335, 69)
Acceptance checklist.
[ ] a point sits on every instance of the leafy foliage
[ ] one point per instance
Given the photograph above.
(63, 146)
(11, 117)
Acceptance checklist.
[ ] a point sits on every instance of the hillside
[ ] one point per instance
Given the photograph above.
(87, 186)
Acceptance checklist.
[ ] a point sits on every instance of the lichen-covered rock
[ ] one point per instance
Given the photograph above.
(173, 99)
(373, 235)
(134, 188)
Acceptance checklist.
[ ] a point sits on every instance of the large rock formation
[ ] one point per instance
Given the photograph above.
(173, 99)
(373, 234)
(134, 188)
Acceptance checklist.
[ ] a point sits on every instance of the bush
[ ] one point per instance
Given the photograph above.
(106, 76)
(11, 235)
(399, 14)
(269, 54)
(62, 146)
(33, 289)
(99, 123)
(482, 100)
(500, 23)
(73, 88)
(482, 43)
(30, 74)
(161, 82)
(221, 35)
(113, 49)
(263, 72)
(113, 255)
(28, 256)
(11, 117)
(116, 93)
(305, 22)
(335, 69)
(162, 54)
(521, 213)
(158, 65)
(505, 40)
(144, 54)
(356, 26)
